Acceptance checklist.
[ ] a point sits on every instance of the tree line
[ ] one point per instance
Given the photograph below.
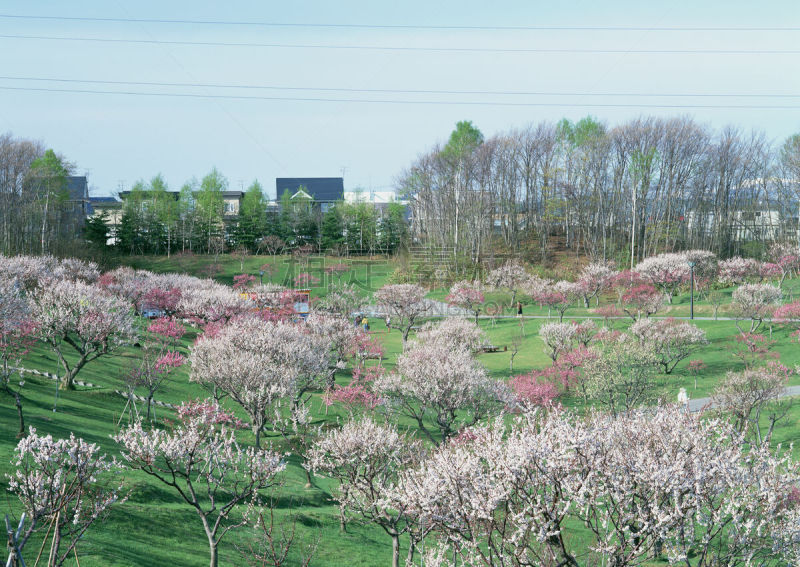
(155, 220)
(620, 192)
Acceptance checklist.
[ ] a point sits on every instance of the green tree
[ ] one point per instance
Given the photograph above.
(96, 230)
(332, 229)
(392, 227)
(210, 207)
(464, 140)
(252, 217)
(48, 178)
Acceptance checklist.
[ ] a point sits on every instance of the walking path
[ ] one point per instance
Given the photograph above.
(705, 403)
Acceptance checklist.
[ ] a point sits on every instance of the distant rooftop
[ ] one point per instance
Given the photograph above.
(322, 189)
(77, 187)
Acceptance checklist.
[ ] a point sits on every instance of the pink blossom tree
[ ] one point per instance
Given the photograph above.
(789, 315)
(642, 301)
(81, 319)
(258, 363)
(366, 458)
(208, 469)
(786, 257)
(533, 391)
(595, 278)
(439, 386)
(18, 334)
(341, 299)
(755, 302)
(404, 303)
(66, 485)
(467, 295)
(243, 281)
(669, 339)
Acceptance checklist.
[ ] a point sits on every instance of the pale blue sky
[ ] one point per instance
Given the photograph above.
(123, 137)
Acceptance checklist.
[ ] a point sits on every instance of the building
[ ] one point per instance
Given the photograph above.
(323, 191)
(77, 206)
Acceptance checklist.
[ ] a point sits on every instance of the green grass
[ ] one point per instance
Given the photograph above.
(154, 528)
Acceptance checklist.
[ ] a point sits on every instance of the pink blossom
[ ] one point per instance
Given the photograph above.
(531, 390)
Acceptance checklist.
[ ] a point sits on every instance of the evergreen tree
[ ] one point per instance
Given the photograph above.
(252, 217)
(332, 229)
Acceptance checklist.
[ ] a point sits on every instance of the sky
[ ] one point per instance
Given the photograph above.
(261, 109)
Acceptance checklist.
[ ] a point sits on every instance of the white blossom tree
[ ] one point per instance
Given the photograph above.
(366, 459)
(511, 277)
(82, 319)
(440, 385)
(405, 303)
(453, 331)
(202, 461)
(654, 483)
(595, 278)
(259, 362)
(64, 485)
(670, 340)
(755, 302)
(665, 271)
(557, 338)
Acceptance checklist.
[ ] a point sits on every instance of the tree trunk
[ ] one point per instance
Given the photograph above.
(395, 550)
(212, 550)
(18, 403)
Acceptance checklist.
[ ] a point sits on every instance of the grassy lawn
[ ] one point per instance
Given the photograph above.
(154, 528)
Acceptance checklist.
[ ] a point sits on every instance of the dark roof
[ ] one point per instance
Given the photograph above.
(77, 187)
(327, 189)
(98, 200)
(101, 202)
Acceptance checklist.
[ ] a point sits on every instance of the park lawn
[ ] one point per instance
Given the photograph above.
(154, 528)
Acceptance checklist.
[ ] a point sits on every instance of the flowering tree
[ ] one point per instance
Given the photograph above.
(66, 485)
(789, 315)
(786, 257)
(622, 377)
(745, 394)
(208, 469)
(642, 301)
(243, 281)
(738, 270)
(595, 278)
(755, 302)
(585, 331)
(511, 276)
(212, 304)
(257, 363)
(304, 280)
(665, 271)
(366, 458)
(696, 368)
(341, 299)
(669, 339)
(338, 271)
(532, 391)
(660, 483)
(405, 303)
(438, 384)
(17, 335)
(455, 332)
(467, 295)
(557, 338)
(73, 316)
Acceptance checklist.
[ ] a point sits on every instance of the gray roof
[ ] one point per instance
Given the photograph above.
(322, 189)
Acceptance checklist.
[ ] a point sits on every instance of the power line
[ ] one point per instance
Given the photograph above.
(411, 102)
(410, 48)
(406, 26)
(402, 91)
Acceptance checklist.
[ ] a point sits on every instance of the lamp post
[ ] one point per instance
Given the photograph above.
(261, 273)
(691, 296)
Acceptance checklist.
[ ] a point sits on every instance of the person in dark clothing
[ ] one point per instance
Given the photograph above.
(519, 309)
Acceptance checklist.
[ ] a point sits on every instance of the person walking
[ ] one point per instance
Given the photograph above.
(388, 323)
(365, 324)
(519, 309)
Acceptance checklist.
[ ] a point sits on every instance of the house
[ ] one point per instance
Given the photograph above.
(77, 203)
(111, 207)
(323, 191)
